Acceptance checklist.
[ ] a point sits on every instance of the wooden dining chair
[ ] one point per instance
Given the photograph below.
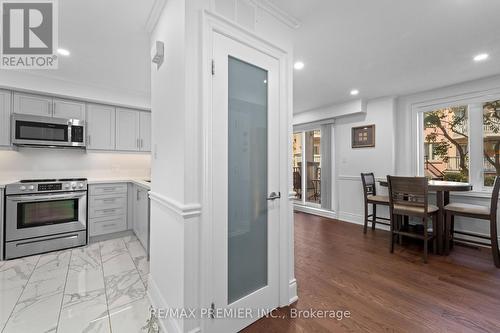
(408, 196)
(476, 212)
(371, 198)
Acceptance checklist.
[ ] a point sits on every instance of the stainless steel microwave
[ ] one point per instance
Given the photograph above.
(39, 131)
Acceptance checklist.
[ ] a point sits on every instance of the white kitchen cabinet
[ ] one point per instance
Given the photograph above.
(107, 208)
(69, 109)
(100, 127)
(33, 104)
(127, 130)
(141, 215)
(5, 111)
(1, 223)
(145, 131)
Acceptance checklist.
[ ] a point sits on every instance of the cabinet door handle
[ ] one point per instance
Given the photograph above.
(137, 195)
(88, 140)
(142, 143)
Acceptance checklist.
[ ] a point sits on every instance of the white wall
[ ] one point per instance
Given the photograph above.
(14, 79)
(351, 162)
(29, 163)
(406, 138)
(395, 151)
(177, 105)
(168, 102)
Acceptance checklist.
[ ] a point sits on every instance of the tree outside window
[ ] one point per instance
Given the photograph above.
(491, 141)
(446, 133)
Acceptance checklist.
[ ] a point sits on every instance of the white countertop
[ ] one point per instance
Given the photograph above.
(137, 181)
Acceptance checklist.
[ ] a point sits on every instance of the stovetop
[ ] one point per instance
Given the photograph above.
(33, 186)
(52, 180)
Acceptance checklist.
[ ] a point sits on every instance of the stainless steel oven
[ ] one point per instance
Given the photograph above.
(45, 215)
(28, 130)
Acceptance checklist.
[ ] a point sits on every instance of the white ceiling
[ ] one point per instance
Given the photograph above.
(109, 45)
(389, 47)
(108, 41)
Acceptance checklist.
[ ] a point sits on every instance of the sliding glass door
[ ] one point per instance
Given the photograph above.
(311, 161)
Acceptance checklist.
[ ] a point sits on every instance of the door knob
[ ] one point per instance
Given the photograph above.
(274, 196)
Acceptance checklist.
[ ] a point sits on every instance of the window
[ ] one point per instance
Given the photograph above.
(446, 138)
(312, 167)
(491, 142)
(297, 164)
(461, 142)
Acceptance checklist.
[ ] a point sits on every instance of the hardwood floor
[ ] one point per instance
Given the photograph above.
(339, 268)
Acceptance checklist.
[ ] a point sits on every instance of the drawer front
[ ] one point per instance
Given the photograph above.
(101, 189)
(105, 212)
(102, 226)
(108, 201)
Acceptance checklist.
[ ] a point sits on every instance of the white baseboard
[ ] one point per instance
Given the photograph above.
(315, 211)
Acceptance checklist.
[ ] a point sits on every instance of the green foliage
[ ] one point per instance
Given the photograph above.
(489, 180)
(456, 177)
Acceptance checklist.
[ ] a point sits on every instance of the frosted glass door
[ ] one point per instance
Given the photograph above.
(244, 173)
(247, 166)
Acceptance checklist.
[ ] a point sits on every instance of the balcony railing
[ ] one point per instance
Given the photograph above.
(488, 130)
(453, 165)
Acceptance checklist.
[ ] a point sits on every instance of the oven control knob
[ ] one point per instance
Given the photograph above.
(80, 185)
(73, 185)
(22, 188)
(31, 187)
(66, 185)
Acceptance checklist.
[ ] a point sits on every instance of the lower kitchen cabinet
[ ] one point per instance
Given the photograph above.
(107, 211)
(141, 215)
(112, 205)
(1, 224)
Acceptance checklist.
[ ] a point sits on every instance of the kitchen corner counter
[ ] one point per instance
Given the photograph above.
(137, 181)
(5, 182)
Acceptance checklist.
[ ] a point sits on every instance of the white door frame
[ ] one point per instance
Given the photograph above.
(212, 23)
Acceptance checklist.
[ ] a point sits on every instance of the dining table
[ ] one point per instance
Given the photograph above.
(442, 189)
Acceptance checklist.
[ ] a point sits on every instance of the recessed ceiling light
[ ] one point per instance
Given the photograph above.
(481, 57)
(354, 92)
(298, 65)
(63, 52)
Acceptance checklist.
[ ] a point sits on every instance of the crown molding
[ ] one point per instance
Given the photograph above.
(154, 14)
(278, 13)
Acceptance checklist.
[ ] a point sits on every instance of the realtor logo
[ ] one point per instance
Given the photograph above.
(29, 34)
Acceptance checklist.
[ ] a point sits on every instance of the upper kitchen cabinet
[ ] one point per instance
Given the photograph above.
(145, 122)
(5, 110)
(69, 109)
(33, 104)
(127, 130)
(100, 127)
(133, 130)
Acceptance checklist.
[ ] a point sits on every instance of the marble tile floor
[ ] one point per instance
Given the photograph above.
(100, 288)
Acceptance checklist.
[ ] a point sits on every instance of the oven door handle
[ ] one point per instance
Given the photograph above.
(24, 198)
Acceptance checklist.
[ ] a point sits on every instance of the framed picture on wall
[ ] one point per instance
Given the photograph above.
(363, 136)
